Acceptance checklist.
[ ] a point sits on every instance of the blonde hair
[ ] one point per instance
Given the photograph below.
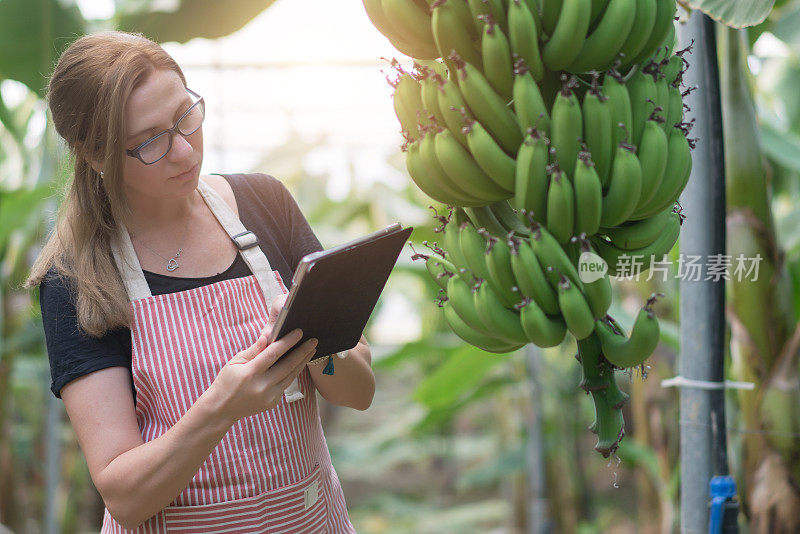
(86, 96)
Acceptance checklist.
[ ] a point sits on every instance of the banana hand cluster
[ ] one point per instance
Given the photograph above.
(551, 128)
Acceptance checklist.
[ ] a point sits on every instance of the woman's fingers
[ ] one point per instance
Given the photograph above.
(293, 362)
(275, 350)
(296, 370)
(275, 307)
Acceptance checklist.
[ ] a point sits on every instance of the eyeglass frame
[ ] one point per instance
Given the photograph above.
(171, 131)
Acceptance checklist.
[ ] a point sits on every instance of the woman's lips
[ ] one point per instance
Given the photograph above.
(187, 174)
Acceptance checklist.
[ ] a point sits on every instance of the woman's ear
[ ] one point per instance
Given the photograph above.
(96, 165)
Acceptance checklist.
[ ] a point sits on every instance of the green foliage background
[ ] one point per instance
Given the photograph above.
(445, 446)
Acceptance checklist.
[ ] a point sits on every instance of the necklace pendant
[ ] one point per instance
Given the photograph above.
(172, 265)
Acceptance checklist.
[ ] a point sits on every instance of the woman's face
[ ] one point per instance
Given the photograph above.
(153, 107)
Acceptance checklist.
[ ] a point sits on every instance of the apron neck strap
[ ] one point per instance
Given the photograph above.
(131, 270)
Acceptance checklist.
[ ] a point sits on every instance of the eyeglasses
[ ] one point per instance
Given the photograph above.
(159, 145)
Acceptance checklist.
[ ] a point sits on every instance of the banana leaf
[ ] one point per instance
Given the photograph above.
(735, 13)
(462, 372)
(32, 36)
(209, 19)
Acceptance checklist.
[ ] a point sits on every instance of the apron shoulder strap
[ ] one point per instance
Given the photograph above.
(245, 241)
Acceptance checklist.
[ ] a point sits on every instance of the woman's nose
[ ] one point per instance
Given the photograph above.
(181, 147)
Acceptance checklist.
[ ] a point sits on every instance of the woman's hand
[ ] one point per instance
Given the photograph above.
(254, 379)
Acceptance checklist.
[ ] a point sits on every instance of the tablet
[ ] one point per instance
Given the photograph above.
(334, 291)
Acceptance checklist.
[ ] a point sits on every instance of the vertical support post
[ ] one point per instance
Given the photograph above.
(537, 522)
(703, 443)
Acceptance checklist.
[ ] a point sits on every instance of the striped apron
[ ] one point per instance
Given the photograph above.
(272, 471)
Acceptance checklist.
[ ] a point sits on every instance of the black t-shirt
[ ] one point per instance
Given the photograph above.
(266, 208)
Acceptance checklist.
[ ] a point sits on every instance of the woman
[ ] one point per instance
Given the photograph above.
(156, 287)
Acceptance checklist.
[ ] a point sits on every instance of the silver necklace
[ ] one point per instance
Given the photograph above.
(172, 263)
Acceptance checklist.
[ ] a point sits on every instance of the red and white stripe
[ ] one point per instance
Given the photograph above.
(272, 471)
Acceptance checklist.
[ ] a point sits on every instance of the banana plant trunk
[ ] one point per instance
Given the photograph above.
(764, 337)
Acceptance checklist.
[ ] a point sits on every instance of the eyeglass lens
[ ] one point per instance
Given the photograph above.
(187, 125)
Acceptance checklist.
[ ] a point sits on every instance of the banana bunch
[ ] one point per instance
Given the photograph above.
(552, 129)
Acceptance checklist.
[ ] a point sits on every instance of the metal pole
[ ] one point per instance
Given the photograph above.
(537, 488)
(703, 442)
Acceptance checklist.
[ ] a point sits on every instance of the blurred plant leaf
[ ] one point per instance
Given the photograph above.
(460, 373)
(735, 13)
(438, 417)
(781, 147)
(507, 463)
(32, 36)
(209, 19)
(19, 210)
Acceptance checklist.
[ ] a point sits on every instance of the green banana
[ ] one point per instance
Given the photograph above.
(450, 238)
(530, 276)
(567, 127)
(508, 217)
(454, 30)
(603, 44)
(619, 102)
(675, 109)
(662, 27)
(495, 8)
(490, 157)
(560, 206)
(568, 35)
(419, 174)
(439, 269)
(473, 248)
(529, 104)
(627, 260)
(551, 9)
(626, 184)
(679, 168)
(460, 166)
(541, 329)
(483, 217)
(407, 101)
(473, 337)
(496, 317)
(637, 234)
(631, 351)
(437, 173)
(597, 129)
(534, 6)
(489, 107)
(452, 107)
(430, 94)
(496, 54)
(574, 308)
(672, 69)
(588, 196)
(552, 256)
(531, 180)
(598, 292)
(641, 29)
(498, 262)
(377, 16)
(461, 298)
(412, 22)
(598, 8)
(644, 95)
(523, 37)
(652, 154)
(662, 98)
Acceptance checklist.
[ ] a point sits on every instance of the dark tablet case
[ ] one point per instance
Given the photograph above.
(339, 288)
